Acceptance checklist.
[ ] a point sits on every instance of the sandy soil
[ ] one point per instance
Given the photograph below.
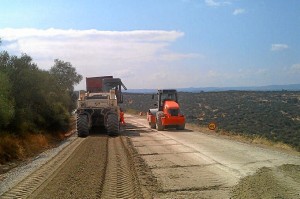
(190, 164)
(101, 167)
(81, 175)
(275, 182)
(145, 163)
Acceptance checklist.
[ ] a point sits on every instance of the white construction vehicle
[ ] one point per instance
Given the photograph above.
(98, 105)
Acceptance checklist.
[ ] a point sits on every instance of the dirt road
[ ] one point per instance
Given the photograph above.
(145, 163)
(98, 166)
(190, 164)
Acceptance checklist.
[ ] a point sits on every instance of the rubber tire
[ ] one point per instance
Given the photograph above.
(180, 127)
(82, 126)
(159, 125)
(113, 124)
(152, 125)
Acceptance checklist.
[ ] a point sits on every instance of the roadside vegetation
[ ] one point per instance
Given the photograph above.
(260, 116)
(35, 104)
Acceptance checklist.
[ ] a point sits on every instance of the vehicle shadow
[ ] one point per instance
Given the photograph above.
(98, 131)
(132, 130)
(174, 130)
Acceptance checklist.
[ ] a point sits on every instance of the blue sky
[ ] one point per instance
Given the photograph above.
(161, 43)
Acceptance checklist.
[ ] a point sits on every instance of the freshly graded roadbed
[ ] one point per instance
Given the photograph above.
(145, 163)
(191, 164)
(101, 167)
(98, 166)
(81, 176)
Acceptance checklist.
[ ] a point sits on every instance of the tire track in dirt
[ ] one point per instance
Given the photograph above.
(98, 166)
(80, 176)
(27, 186)
(120, 176)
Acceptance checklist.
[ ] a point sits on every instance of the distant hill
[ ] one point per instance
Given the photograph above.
(288, 87)
(272, 115)
(140, 91)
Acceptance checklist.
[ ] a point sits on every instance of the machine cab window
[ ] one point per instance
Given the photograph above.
(168, 96)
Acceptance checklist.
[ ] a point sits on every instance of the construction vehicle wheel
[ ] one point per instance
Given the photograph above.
(180, 127)
(160, 126)
(113, 124)
(152, 125)
(82, 126)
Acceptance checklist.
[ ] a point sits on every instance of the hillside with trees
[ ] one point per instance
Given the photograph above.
(32, 100)
(273, 115)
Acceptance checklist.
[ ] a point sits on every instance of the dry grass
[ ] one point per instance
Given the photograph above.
(27, 145)
(279, 145)
(33, 143)
(10, 148)
(18, 148)
(257, 140)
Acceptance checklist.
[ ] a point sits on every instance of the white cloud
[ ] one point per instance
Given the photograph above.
(213, 74)
(178, 56)
(278, 47)
(126, 54)
(295, 68)
(212, 3)
(136, 35)
(262, 71)
(125, 73)
(238, 11)
(215, 3)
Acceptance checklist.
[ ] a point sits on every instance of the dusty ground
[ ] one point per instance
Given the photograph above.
(81, 175)
(190, 164)
(101, 167)
(145, 163)
(274, 182)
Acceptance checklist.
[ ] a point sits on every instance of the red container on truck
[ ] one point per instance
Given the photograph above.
(94, 84)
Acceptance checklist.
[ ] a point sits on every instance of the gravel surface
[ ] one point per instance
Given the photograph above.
(190, 164)
(274, 182)
(101, 167)
(14, 176)
(81, 175)
(145, 163)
